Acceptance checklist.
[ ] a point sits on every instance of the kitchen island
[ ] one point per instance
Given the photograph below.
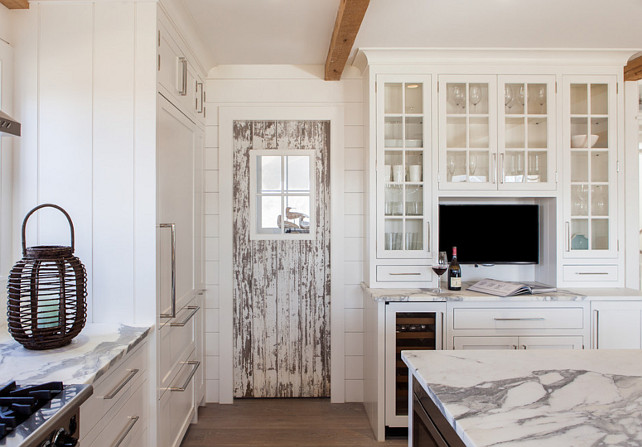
(534, 398)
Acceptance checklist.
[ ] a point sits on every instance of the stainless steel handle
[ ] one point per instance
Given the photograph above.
(493, 170)
(441, 329)
(195, 365)
(406, 273)
(428, 236)
(202, 94)
(568, 235)
(501, 169)
(591, 273)
(183, 89)
(172, 227)
(126, 430)
(596, 329)
(183, 322)
(520, 319)
(130, 375)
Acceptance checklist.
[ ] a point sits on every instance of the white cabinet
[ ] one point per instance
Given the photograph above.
(497, 133)
(589, 227)
(404, 200)
(617, 324)
(522, 342)
(520, 325)
(117, 411)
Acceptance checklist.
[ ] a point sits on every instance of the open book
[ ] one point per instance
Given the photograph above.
(507, 288)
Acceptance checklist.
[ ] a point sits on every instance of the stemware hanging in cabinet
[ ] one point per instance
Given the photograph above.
(496, 132)
(403, 203)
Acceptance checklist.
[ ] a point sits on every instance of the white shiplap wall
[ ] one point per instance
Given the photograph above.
(288, 86)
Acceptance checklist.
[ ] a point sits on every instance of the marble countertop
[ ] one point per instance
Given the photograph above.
(536, 398)
(428, 294)
(87, 358)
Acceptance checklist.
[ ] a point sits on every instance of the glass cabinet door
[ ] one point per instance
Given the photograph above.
(526, 130)
(591, 155)
(403, 178)
(467, 121)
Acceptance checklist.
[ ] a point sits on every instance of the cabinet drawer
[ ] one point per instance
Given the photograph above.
(125, 425)
(178, 339)
(403, 273)
(523, 318)
(111, 392)
(584, 273)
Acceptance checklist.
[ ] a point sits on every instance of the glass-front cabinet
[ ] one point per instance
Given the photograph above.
(467, 137)
(403, 167)
(497, 133)
(590, 150)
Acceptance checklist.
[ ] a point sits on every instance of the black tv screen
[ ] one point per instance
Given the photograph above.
(490, 234)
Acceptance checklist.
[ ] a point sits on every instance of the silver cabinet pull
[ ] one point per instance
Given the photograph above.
(126, 430)
(199, 89)
(428, 236)
(520, 319)
(183, 90)
(501, 169)
(172, 227)
(591, 273)
(493, 170)
(596, 329)
(130, 375)
(405, 273)
(568, 236)
(189, 316)
(195, 365)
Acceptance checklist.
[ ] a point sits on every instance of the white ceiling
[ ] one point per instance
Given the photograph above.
(299, 31)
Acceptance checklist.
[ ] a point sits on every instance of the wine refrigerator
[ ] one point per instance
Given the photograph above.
(409, 326)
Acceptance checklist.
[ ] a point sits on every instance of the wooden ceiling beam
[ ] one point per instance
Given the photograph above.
(633, 69)
(15, 4)
(346, 27)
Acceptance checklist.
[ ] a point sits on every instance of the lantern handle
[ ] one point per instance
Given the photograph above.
(51, 205)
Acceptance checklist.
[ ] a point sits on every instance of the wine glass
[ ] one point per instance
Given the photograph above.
(472, 164)
(541, 98)
(475, 95)
(459, 96)
(451, 166)
(508, 97)
(440, 268)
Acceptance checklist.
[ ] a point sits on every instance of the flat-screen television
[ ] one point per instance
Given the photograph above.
(490, 234)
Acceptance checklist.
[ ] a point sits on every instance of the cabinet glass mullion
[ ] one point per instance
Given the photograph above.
(402, 206)
(591, 222)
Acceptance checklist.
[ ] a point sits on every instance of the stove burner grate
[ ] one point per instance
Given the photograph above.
(18, 403)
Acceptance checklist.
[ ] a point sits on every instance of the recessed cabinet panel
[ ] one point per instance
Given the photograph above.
(403, 177)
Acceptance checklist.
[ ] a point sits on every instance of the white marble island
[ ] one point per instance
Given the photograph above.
(536, 398)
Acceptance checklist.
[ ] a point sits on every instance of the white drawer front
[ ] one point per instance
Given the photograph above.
(403, 273)
(523, 318)
(584, 273)
(110, 391)
(126, 424)
(176, 342)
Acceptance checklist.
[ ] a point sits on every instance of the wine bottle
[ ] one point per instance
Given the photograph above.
(454, 273)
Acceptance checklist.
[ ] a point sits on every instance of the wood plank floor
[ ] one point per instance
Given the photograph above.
(284, 423)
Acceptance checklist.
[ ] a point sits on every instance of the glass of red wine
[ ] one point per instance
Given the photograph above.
(440, 268)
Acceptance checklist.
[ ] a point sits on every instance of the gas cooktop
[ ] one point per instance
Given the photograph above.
(41, 415)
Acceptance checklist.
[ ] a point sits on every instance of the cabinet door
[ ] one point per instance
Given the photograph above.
(467, 132)
(561, 342)
(590, 167)
(526, 133)
(175, 197)
(404, 199)
(409, 326)
(617, 325)
(485, 343)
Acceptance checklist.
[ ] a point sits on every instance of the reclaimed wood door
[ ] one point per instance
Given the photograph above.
(281, 287)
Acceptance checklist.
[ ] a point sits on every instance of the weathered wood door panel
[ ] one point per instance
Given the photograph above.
(281, 287)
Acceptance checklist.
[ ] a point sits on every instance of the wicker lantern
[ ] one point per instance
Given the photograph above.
(47, 293)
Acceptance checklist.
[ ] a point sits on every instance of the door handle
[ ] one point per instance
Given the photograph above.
(172, 227)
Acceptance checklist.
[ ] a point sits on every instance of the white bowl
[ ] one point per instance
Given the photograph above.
(580, 140)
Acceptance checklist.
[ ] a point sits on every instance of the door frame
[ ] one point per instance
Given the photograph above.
(227, 115)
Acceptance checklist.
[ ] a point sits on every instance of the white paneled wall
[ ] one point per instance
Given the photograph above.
(289, 86)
